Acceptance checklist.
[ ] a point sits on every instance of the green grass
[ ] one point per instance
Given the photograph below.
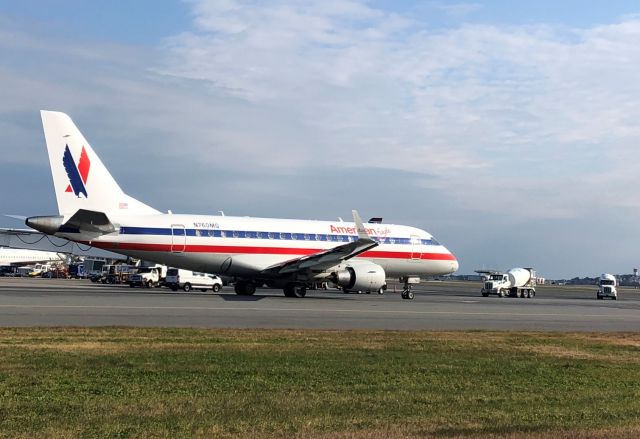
(120, 382)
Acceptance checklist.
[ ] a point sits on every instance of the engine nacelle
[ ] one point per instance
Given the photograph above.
(361, 277)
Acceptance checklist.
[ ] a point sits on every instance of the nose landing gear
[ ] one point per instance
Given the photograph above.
(406, 290)
(407, 293)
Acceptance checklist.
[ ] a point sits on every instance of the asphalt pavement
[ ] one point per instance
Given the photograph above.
(437, 306)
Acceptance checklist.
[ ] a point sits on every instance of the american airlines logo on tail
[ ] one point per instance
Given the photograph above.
(77, 174)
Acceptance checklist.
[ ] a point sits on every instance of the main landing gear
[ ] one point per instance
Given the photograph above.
(244, 288)
(294, 290)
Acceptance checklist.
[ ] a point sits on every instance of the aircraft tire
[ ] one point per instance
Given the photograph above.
(245, 288)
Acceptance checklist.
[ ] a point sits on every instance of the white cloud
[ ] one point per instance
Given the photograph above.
(535, 105)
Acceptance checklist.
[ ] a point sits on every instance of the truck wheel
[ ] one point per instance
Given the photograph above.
(174, 288)
(148, 285)
(518, 294)
(131, 285)
(614, 298)
(500, 293)
(187, 287)
(216, 288)
(485, 294)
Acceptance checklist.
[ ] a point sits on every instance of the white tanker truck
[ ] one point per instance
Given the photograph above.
(517, 282)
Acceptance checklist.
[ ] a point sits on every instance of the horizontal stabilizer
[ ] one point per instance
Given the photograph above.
(90, 221)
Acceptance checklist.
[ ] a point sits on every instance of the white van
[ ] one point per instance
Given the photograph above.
(188, 280)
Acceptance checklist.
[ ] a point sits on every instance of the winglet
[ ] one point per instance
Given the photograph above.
(362, 232)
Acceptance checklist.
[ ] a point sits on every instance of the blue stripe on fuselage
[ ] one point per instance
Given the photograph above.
(285, 236)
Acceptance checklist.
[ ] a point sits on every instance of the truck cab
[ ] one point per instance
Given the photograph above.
(607, 287)
(495, 283)
(145, 277)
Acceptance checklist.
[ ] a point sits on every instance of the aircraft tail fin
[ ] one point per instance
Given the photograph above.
(80, 179)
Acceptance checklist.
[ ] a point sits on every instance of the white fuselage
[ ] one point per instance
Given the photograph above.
(16, 256)
(244, 246)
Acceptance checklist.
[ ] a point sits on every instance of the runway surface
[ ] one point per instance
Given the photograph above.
(437, 306)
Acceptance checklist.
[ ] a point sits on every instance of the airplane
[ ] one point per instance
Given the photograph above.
(18, 256)
(287, 254)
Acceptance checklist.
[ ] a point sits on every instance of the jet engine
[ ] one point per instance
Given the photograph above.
(366, 276)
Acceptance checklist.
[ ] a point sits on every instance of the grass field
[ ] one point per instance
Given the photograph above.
(120, 382)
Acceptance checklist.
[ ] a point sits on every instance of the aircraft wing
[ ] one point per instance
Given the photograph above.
(326, 259)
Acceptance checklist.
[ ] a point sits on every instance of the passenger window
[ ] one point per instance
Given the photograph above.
(286, 236)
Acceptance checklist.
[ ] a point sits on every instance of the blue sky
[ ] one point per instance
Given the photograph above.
(491, 124)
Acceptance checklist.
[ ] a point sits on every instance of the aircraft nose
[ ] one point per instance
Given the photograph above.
(454, 264)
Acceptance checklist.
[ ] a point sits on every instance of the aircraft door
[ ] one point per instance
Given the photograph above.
(416, 247)
(178, 238)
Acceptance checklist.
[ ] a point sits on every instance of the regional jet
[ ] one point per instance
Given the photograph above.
(287, 254)
(19, 256)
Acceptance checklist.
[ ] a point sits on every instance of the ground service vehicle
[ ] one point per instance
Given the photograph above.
(607, 287)
(148, 276)
(188, 280)
(517, 282)
(8, 271)
(115, 274)
(39, 269)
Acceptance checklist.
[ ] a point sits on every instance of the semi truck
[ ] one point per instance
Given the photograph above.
(607, 287)
(517, 282)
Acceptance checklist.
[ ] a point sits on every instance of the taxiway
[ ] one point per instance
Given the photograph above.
(437, 306)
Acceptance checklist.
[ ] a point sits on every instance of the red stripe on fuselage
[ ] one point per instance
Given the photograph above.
(232, 249)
